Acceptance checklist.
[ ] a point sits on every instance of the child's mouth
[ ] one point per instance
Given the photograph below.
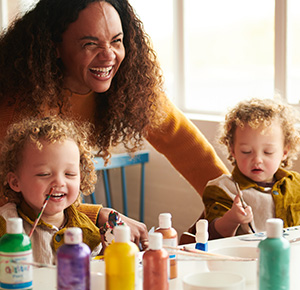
(57, 195)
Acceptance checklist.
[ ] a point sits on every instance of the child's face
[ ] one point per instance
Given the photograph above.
(259, 152)
(56, 165)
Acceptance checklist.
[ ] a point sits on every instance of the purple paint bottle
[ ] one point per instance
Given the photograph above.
(73, 262)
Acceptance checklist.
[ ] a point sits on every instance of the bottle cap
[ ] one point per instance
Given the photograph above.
(155, 241)
(73, 236)
(164, 220)
(14, 226)
(274, 228)
(122, 234)
(202, 231)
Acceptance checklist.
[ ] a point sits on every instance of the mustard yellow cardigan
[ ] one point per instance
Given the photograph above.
(178, 139)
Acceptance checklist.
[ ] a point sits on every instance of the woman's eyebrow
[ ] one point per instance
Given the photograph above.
(89, 37)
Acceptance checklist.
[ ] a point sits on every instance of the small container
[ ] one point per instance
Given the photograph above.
(15, 246)
(73, 262)
(155, 264)
(121, 261)
(274, 258)
(202, 235)
(169, 239)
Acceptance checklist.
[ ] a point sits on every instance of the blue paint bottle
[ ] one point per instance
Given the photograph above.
(73, 262)
(202, 235)
(274, 258)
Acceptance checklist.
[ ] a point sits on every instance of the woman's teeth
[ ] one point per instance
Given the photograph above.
(101, 71)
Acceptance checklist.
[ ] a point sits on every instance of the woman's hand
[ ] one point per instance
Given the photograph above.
(138, 230)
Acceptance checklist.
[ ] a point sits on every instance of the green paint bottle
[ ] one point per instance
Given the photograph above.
(15, 257)
(274, 258)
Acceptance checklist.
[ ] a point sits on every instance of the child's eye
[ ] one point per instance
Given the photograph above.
(43, 174)
(268, 153)
(246, 152)
(71, 174)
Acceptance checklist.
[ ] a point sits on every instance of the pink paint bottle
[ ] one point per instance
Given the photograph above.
(73, 262)
(155, 264)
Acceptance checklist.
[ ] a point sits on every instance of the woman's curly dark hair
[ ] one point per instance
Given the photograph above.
(32, 75)
(50, 129)
(262, 112)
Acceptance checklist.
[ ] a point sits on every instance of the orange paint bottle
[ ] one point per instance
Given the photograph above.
(169, 239)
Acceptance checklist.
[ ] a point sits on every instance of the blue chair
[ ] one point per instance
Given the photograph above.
(121, 161)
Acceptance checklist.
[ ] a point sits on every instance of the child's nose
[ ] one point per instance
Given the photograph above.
(257, 159)
(58, 181)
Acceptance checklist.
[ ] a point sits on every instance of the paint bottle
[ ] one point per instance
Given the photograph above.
(15, 254)
(73, 262)
(121, 261)
(155, 264)
(202, 235)
(169, 239)
(274, 258)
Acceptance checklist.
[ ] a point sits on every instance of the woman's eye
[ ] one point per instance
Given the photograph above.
(89, 44)
(117, 40)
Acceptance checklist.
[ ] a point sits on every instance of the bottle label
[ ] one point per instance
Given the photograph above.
(16, 270)
(171, 243)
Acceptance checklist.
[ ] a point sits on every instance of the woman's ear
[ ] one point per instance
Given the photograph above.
(13, 181)
(57, 50)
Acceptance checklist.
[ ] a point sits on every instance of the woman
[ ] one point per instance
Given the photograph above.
(91, 59)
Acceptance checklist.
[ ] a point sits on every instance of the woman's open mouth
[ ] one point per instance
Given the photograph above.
(101, 72)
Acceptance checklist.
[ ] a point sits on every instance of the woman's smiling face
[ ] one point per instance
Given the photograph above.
(92, 49)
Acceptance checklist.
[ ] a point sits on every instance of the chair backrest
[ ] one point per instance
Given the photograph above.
(121, 161)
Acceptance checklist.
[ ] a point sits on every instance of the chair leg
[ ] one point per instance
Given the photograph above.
(142, 199)
(93, 199)
(124, 189)
(106, 186)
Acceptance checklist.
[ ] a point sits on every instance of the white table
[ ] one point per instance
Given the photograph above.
(46, 278)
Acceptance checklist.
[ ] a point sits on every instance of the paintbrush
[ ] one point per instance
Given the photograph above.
(205, 255)
(243, 203)
(41, 212)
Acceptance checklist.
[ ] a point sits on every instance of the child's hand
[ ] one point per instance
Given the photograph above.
(238, 214)
(228, 224)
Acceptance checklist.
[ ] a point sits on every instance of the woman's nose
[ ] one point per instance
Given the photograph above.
(106, 53)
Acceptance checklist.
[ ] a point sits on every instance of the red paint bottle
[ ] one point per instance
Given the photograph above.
(155, 264)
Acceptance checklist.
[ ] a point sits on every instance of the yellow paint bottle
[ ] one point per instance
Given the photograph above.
(121, 261)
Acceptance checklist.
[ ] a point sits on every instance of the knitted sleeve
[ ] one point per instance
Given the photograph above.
(186, 148)
(91, 210)
(216, 202)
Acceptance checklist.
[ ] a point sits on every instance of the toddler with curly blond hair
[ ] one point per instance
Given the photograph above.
(262, 141)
